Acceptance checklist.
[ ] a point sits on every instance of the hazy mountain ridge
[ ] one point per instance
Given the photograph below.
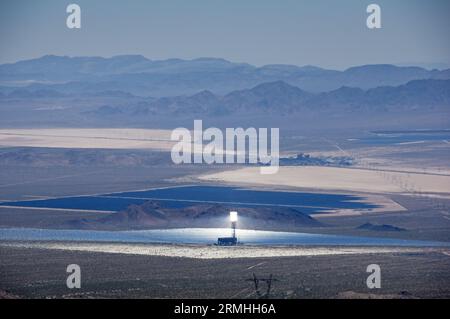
(138, 75)
(96, 93)
(274, 97)
(282, 98)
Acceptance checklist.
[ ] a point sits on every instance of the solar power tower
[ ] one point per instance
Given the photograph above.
(233, 220)
(230, 241)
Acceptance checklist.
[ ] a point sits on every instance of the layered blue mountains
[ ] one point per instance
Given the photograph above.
(134, 86)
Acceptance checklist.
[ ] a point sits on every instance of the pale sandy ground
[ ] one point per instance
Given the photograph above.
(88, 138)
(334, 178)
(98, 138)
(396, 157)
(384, 205)
(213, 252)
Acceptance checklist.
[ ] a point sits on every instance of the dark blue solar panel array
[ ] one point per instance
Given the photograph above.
(191, 195)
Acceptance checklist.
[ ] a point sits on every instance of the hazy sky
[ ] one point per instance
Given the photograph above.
(326, 33)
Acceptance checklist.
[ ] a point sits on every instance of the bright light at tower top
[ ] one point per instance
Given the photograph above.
(233, 217)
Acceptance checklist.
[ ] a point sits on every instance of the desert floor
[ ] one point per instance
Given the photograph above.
(98, 138)
(337, 178)
(106, 275)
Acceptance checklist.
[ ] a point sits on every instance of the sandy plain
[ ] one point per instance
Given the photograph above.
(99, 138)
(335, 178)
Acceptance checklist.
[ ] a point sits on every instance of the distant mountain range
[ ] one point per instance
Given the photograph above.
(275, 97)
(282, 98)
(137, 75)
(134, 91)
